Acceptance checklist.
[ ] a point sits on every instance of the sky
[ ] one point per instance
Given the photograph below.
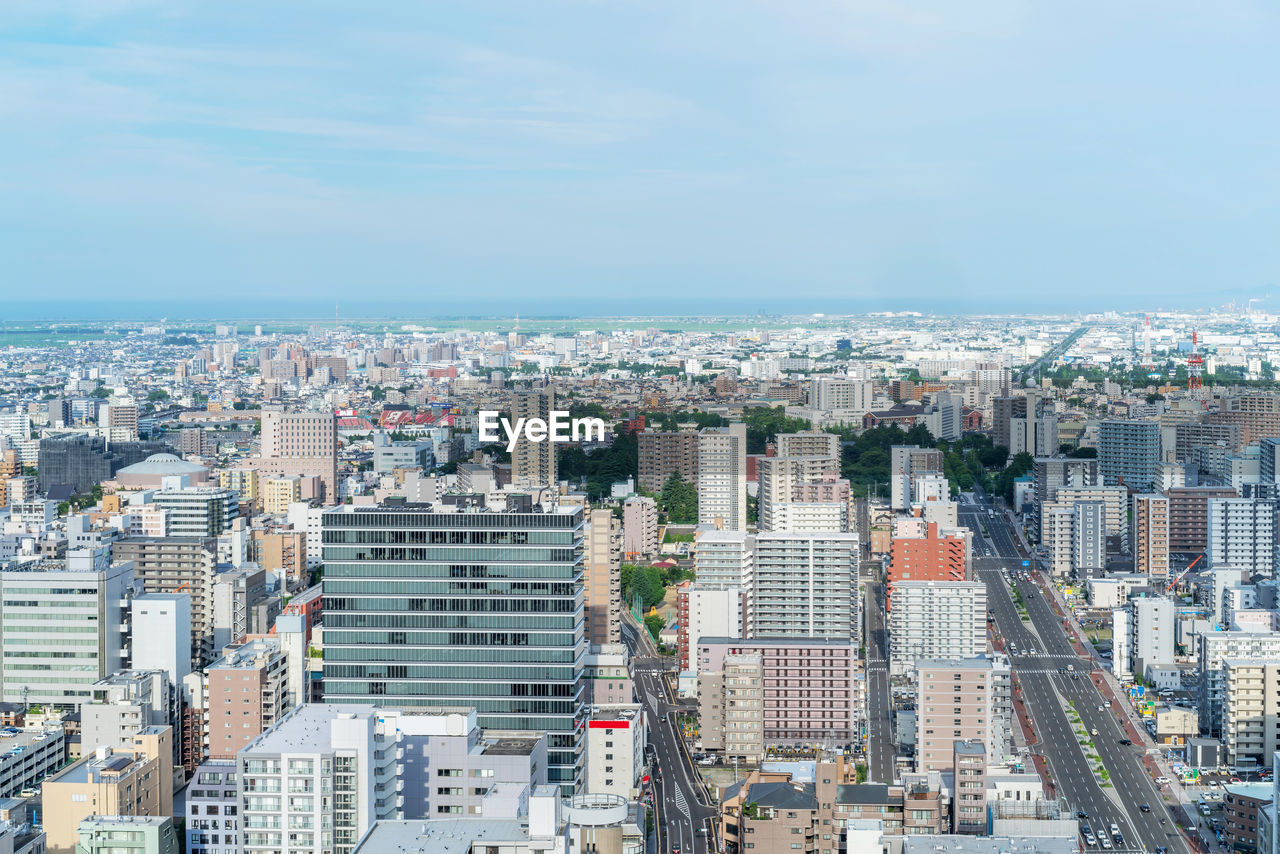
(715, 155)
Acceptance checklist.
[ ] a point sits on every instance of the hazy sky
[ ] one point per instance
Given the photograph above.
(996, 154)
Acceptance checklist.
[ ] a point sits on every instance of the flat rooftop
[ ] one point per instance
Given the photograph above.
(945, 844)
(510, 747)
(440, 836)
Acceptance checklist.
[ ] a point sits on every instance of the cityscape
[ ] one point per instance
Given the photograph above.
(576, 427)
(828, 584)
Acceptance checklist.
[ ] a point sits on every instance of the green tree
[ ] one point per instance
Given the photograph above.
(679, 501)
(101, 392)
(157, 394)
(654, 624)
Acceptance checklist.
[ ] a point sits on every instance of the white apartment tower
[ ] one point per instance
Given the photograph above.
(722, 477)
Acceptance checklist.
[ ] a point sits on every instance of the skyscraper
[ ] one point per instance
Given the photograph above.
(429, 606)
(1151, 534)
(722, 477)
(533, 464)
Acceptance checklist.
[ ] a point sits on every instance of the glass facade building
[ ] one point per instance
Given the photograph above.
(438, 606)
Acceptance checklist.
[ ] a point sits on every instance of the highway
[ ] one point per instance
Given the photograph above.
(684, 817)
(1048, 693)
(880, 741)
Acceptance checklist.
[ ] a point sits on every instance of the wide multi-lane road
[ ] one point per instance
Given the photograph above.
(1049, 693)
(683, 814)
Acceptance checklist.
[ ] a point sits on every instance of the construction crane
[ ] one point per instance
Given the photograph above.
(1181, 575)
(1195, 364)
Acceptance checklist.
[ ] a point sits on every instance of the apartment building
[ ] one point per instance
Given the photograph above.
(781, 477)
(663, 453)
(936, 556)
(316, 781)
(1151, 535)
(962, 699)
(1242, 534)
(639, 526)
(602, 580)
(936, 619)
(178, 565)
(722, 477)
(247, 693)
(1251, 706)
(1189, 516)
(806, 585)
(731, 709)
(533, 464)
(811, 443)
(812, 686)
(1213, 648)
(127, 781)
(198, 511)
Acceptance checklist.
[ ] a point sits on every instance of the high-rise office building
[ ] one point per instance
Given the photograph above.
(533, 464)
(1151, 534)
(83, 602)
(301, 443)
(1128, 452)
(722, 477)
(429, 606)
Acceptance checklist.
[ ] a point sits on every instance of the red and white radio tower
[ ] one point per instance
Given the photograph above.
(1195, 364)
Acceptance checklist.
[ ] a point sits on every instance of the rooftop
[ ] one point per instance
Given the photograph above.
(440, 836)
(942, 844)
(162, 464)
(510, 746)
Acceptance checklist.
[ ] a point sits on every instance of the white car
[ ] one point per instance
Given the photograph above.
(1163, 781)
(1102, 708)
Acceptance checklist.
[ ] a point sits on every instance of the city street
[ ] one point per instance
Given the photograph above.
(1047, 693)
(683, 815)
(880, 742)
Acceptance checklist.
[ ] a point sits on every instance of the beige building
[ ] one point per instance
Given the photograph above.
(811, 443)
(282, 549)
(244, 481)
(247, 692)
(1151, 535)
(533, 464)
(731, 708)
(279, 492)
(128, 781)
(1115, 500)
(301, 443)
(782, 478)
(961, 699)
(663, 453)
(969, 805)
(639, 526)
(121, 416)
(602, 581)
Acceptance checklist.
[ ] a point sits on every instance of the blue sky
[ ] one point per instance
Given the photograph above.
(972, 154)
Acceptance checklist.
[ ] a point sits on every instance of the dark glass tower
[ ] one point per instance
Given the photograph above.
(434, 605)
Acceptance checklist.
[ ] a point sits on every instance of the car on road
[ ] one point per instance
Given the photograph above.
(1093, 731)
(675, 849)
(707, 761)
(1082, 814)
(1102, 708)
(1162, 781)
(1090, 839)
(1145, 807)
(1106, 843)
(1125, 741)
